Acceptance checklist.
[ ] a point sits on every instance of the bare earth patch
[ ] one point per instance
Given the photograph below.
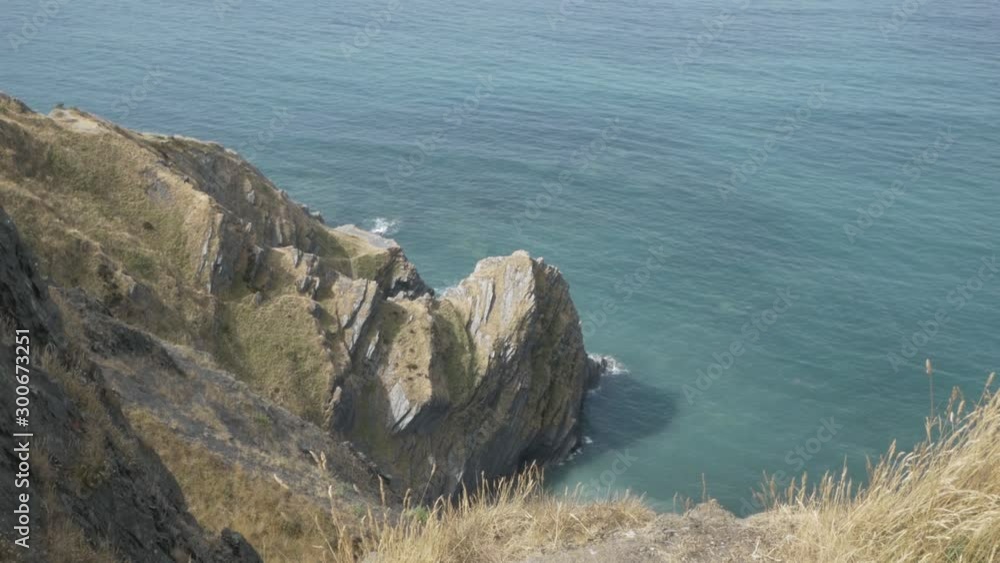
(706, 534)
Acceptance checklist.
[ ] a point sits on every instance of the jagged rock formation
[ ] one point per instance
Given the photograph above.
(96, 491)
(186, 240)
(487, 377)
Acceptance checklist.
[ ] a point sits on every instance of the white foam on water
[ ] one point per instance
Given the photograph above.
(614, 367)
(384, 227)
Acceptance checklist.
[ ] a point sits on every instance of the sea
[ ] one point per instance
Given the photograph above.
(771, 213)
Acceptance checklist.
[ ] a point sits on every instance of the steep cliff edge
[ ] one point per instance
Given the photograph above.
(96, 492)
(186, 240)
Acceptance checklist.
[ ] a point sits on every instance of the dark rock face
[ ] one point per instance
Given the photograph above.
(22, 296)
(237, 548)
(132, 505)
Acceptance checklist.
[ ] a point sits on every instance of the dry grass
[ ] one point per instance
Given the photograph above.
(940, 502)
(65, 541)
(281, 525)
(278, 349)
(504, 521)
(84, 209)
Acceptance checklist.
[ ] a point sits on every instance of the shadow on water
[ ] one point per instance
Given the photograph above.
(620, 412)
(624, 410)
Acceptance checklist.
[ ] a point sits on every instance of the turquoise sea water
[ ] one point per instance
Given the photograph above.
(604, 136)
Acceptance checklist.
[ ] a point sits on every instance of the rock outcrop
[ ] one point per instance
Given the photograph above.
(488, 377)
(186, 240)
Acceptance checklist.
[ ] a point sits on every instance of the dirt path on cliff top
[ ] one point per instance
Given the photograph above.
(706, 534)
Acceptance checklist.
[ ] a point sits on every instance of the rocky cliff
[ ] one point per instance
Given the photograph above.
(97, 493)
(186, 242)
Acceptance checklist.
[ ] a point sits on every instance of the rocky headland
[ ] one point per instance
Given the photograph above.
(217, 375)
(218, 312)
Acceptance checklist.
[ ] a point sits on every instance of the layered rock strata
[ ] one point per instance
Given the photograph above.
(187, 241)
